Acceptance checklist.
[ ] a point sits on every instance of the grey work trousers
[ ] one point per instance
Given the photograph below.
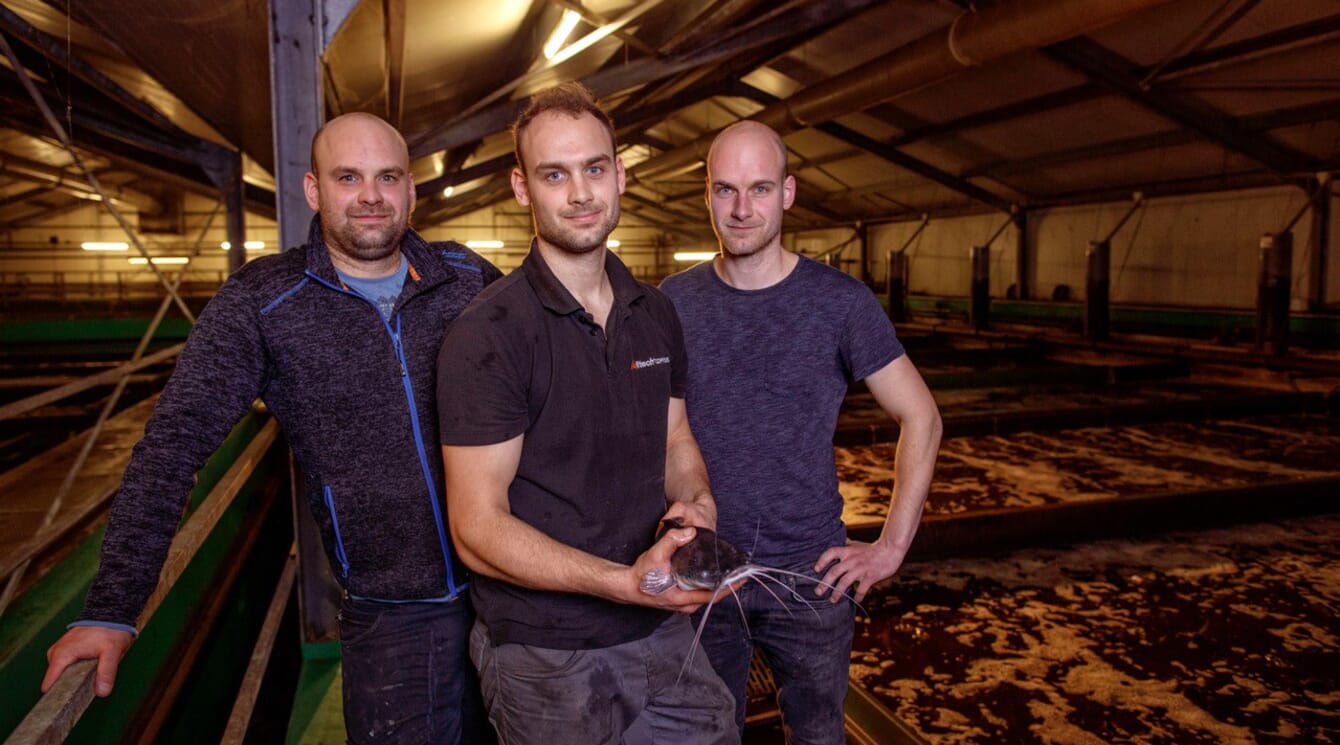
(628, 694)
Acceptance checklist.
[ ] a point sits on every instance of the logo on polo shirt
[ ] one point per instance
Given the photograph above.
(649, 362)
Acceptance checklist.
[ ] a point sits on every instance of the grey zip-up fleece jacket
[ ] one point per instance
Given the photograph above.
(353, 393)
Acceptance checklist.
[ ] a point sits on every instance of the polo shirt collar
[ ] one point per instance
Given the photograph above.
(554, 296)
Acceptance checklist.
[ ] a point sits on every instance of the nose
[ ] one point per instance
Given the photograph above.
(740, 207)
(580, 191)
(370, 192)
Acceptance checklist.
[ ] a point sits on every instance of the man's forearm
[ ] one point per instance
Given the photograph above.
(914, 465)
(504, 547)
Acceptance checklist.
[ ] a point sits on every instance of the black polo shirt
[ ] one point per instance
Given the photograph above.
(525, 357)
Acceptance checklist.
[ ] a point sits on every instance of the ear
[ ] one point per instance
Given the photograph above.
(409, 180)
(619, 170)
(788, 192)
(311, 191)
(520, 189)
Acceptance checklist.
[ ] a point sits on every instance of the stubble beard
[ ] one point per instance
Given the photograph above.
(366, 243)
(741, 248)
(572, 241)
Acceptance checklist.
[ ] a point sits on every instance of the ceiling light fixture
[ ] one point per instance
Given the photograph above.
(248, 245)
(158, 260)
(484, 244)
(561, 32)
(104, 246)
(694, 255)
(612, 243)
(447, 192)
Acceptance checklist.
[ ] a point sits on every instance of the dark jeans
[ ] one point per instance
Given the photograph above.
(807, 642)
(630, 694)
(407, 674)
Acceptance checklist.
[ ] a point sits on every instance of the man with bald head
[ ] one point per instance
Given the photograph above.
(340, 338)
(774, 339)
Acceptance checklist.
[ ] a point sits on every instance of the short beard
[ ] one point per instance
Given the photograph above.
(365, 245)
(574, 242)
(741, 250)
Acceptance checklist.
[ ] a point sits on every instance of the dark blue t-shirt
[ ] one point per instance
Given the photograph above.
(767, 373)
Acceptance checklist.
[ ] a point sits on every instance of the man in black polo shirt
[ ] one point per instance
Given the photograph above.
(561, 402)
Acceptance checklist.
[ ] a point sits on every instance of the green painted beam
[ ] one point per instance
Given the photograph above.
(89, 330)
(38, 617)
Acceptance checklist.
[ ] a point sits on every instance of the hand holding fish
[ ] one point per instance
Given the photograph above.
(655, 562)
(856, 567)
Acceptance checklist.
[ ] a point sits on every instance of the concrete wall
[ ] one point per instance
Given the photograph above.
(1198, 251)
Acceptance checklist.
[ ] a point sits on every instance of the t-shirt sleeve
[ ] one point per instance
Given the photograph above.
(481, 393)
(869, 341)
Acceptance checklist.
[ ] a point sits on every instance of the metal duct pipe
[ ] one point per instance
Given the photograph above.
(974, 38)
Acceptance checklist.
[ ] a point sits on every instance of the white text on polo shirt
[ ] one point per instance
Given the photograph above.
(649, 362)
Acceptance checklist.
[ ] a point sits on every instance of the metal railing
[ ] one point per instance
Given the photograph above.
(51, 720)
(119, 285)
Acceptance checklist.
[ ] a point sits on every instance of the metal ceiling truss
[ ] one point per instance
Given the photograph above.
(1118, 73)
(644, 70)
(894, 156)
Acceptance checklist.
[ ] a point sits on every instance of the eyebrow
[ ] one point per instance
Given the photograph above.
(552, 164)
(761, 182)
(396, 170)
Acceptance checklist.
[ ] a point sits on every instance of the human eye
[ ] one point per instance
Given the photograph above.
(345, 178)
(724, 191)
(552, 177)
(595, 170)
(762, 189)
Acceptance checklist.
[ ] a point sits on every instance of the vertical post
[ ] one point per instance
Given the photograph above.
(299, 33)
(234, 202)
(1097, 294)
(863, 231)
(296, 44)
(1320, 238)
(979, 305)
(1023, 263)
(895, 286)
(1272, 293)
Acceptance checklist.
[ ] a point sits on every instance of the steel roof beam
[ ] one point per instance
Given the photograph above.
(56, 51)
(498, 117)
(1111, 69)
(894, 156)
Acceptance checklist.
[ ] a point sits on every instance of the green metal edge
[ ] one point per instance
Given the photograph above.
(38, 617)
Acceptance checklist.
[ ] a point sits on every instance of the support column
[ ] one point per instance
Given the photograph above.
(979, 305)
(1320, 241)
(1023, 258)
(1097, 293)
(234, 201)
(863, 232)
(296, 44)
(1272, 293)
(299, 33)
(895, 286)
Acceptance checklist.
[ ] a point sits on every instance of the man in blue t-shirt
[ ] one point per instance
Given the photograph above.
(773, 341)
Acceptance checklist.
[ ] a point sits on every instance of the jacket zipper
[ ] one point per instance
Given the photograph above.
(335, 525)
(452, 588)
